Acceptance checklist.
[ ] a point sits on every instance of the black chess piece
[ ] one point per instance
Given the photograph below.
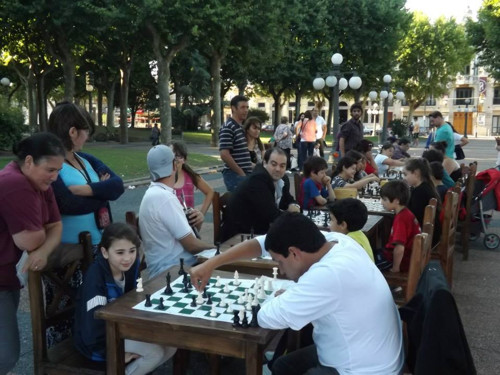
(193, 302)
(209, 300)
(326, 217)
(218, 248)
(168, 289)
(185, 278)
(242, 237)
(252, 233)
(181, 269)
(236, 318)
(185, 290)
(190, 286)
(205, 293)
(148, 301)
(244, 322)
(253, 322)
(161, 306)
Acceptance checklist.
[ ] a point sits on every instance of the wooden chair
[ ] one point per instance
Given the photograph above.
(430, 217)
(63, 358)
(133, 220)
(297, 179)
(448, 232)
(470, 182)
(342, 193)
(219, 204)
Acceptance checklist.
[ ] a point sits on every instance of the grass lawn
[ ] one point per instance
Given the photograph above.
(130, 162)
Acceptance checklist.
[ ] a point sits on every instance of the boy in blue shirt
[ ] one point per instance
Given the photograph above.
(316, 188)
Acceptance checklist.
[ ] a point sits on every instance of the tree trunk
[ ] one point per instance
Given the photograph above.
(42, 104)
(164, 93)
(125, 70)
(110, 98)
(68, 64)
(215, 66)
(99, 106)
(298, 99)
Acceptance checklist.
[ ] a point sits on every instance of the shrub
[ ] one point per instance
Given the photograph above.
(11, 126)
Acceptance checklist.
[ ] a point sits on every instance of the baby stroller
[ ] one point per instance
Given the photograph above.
(486, 198)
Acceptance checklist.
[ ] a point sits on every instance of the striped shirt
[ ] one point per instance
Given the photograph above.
(232, 138)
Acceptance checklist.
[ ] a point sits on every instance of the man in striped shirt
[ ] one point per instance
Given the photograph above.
(233, 146)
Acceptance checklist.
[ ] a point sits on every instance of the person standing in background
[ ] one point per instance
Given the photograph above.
(351, 132)
(283, 138)
(320, 131)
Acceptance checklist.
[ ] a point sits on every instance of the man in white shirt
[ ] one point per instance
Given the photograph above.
(320, 131)
(165, 231)
(338, 289)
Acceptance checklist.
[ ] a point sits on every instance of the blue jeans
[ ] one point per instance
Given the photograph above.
(306, 150)
(9, 336)
(301, 361)
(231, 179)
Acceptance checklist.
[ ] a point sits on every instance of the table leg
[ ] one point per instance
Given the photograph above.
(253, 359)
(115, 352)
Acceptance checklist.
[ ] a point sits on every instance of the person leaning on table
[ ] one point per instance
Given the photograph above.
(337, 288)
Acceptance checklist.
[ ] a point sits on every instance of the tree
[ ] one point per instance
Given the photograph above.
(429, 57)
(484, 34)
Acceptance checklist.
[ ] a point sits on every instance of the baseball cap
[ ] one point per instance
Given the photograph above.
(160, 159)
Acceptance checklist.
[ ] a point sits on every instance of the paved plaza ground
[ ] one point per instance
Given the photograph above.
(476, 282)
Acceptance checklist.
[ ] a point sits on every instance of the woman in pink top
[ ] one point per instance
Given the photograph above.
(307, 131)
(187, 180)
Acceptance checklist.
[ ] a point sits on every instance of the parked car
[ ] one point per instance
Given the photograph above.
(268, 128)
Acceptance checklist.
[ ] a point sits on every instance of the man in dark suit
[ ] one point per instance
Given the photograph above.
(260, 198)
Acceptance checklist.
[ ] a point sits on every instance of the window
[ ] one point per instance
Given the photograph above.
(262, 105)
(430, 100)
(467, 70)
(291, 104)
(310, 104)
(495, 126)
(496, 95)
(463, 93)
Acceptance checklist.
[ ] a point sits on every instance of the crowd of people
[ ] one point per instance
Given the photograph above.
(52, 191)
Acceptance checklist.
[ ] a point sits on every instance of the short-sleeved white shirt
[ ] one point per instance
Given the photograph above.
(357, 329)
(162, 224)
(320, 121)
(382, 168)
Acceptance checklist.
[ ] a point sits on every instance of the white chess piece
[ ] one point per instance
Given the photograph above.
(217, 283)
(250, 298)
(222, 302)
(262, 294)
(248, 306)
(275, 273)
(199, 299)
(241, 314)
(255, 301)
(139, 285)
(229, 308)
(241, 299)
(236, 278)
(212, 311)
(269, 286)
(226, 289)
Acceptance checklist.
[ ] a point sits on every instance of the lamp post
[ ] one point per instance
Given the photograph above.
(386, 96)
(336, 81)
(467, 102)
(5, 83)
(89, 87)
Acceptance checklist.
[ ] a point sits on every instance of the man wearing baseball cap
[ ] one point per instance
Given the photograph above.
(165, 231)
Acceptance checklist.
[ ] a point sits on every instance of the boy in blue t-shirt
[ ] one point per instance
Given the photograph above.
(316, 188)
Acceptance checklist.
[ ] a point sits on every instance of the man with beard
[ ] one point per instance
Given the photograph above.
(351, 132)
(260, 198)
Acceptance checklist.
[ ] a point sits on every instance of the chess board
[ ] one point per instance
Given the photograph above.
(179, 302)
(373, 205)
(320, 217)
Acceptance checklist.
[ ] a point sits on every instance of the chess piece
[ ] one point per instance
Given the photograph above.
(242, 237)
(161, 306)
(255, 301)
(185, 278)
(229, 308)
(148, 301)
(205, 293)
(193, 302)
(252, 233)
(269, 286)
(222, 302)
(209, 299)
(217, 283)
(199, 299)
(226, 289)
(185, 290)
(248, 306)
(254, 323)
(190, 286)
(241, 299)
(236, 278)
(212, 312)
(168, 289)
(327, 219)
(181, 269)
(275, 273)
(236, 319)
(139, 285)
(218, 248)
(244, 322)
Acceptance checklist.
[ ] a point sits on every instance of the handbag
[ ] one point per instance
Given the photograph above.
(459, 153)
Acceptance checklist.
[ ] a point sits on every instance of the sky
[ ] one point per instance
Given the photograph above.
(448, 8)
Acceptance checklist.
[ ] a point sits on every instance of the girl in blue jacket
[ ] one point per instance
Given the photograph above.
(113, 273)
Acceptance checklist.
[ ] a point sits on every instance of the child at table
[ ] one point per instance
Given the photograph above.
(316, 189)
(395, 196)
(345, 172)
(113, 273)
(348, 216)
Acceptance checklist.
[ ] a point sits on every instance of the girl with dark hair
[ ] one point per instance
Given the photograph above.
(418, 175)
(113, 274)
(85, 185)
(252, 128)
(30, 228)
(450, 165)
(344, 173)
(186, 181)
(365, 147)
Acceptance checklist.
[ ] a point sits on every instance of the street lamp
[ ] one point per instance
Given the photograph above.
(337, 82)
(386, 96)
(6, 83)
(467, 102)
(89, 87)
